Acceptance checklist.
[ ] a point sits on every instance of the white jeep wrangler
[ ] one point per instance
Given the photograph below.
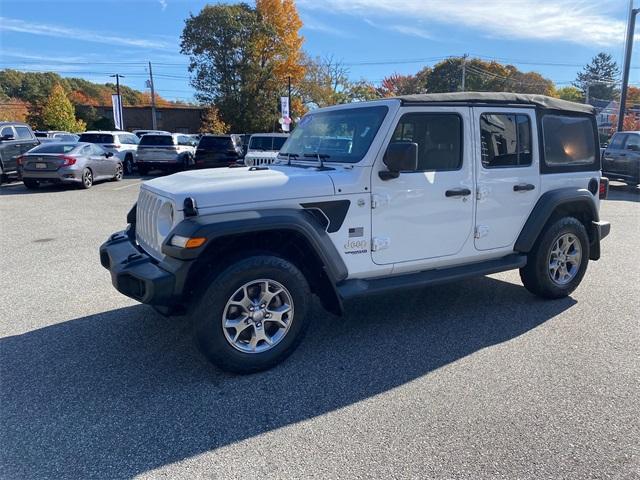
(263, 148)
(367, 198)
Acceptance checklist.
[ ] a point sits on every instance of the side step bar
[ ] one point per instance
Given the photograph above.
(358, 287)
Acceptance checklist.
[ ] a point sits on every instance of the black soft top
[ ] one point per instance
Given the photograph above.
(497, 98)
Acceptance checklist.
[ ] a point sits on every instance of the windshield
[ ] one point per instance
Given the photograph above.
(340, 135)
(156, 140)
(267, 143)
(220, 143)
(54, 148)
(96, 138)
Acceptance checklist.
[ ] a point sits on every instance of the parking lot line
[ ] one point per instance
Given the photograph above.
(127, 186)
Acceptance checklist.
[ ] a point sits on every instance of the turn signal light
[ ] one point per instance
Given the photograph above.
(187, 242)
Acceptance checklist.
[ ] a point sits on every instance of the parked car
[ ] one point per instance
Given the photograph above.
(140, 133)
(263, 148)
(428, 189)
(72, 163)
(122, 144)
(165, 152)
(621, 158)
(56, 136)
(218, 151)
(16, 138)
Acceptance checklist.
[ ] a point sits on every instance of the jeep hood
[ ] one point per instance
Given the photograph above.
(228, 186)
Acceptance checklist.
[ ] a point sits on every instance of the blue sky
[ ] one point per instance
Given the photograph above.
(374, 38)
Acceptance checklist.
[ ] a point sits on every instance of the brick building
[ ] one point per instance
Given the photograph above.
(183, 119)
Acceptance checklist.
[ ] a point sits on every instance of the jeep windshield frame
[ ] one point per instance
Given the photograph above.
(341, 135)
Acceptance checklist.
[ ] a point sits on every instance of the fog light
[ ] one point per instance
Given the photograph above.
(187, 242)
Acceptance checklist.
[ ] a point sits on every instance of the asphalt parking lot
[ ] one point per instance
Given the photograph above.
(477, 379)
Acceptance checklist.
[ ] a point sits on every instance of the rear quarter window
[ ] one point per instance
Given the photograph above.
(569, 143)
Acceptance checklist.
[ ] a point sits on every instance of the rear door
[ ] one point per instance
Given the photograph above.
(507, 172)
(26, 137)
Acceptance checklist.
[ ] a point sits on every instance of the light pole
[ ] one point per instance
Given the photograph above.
(627, 63)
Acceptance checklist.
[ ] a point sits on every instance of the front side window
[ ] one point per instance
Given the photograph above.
(617, 141)
(505, 140)
(568, 140)
(342, 135)
(439, 139)
(6, 131)
(633, 142)
(23, 133)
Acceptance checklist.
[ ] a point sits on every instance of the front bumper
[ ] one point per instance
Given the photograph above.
(136, 274)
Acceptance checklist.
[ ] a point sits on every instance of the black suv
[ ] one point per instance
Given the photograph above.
(218, 151)
(15, 139)
(621, 159)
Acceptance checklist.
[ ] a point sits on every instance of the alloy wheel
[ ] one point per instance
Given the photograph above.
(87, 178)
(565, 258)
(257, 316)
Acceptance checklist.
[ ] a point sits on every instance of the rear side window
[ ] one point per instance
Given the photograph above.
(439, 139)
(162, 140)
(23, 132)
(506, 140)
(6, 131)
(96, 138)
(569, 141)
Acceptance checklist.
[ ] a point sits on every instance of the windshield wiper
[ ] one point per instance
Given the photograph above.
(290, 156)
(321, 157)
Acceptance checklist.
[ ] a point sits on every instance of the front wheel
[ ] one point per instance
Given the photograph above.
(558, 260)
(87, 179)
(128, 165)
(253, 314)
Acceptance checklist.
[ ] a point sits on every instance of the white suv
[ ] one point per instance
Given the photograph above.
(263, 148)
(165, 152)
(122, 144)
(367, 198)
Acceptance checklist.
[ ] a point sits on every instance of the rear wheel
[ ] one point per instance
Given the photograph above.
(128, 164)
(30, 183)
(253, 314)
(87, 179)
(559, 259)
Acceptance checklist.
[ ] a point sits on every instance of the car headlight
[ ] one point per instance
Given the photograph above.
(165, 219)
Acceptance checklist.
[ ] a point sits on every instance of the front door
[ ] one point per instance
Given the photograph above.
(427, 213)
(507, 172)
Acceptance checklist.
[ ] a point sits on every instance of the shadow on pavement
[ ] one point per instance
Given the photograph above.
(622, 192)
(125, 391)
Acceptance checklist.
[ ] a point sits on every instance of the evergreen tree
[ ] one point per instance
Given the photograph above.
(600, 78)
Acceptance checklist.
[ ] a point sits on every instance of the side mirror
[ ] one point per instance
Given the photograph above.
(6, 138)
(108, 154)
(399, 157)
(634, 148)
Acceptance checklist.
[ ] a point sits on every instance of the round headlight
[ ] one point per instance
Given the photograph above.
(165, 219)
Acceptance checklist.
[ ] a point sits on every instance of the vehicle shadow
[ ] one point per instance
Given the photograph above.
(123, 392)
(622, 192)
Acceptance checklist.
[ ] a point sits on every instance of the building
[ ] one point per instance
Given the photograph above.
(179, 119)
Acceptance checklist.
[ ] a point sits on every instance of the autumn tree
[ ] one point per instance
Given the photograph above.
(570, 93)
(211, 122)
(59, 114)
(13, 109)
(629, 124)
(397, 84)
(599, 78)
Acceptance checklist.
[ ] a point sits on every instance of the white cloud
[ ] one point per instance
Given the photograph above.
(400, 28)
(15, 25)
(583, 22)
(163, 4)
(312, 24)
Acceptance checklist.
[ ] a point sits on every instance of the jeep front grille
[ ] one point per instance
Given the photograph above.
(147, 223)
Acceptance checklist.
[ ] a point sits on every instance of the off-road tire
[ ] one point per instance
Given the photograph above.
(536, 276)
(210, 308)
(30, 183)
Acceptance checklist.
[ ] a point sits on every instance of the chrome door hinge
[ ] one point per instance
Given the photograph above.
(481, 231)
(378, 201)
(380, 243)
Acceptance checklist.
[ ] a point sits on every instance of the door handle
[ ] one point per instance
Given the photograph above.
(457, 192)
(523, 187)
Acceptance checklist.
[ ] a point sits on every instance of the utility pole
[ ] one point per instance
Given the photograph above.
(289, 81)
(153, 100)
(464, 70)
(118, 77)
(586, 93)
(627, 63)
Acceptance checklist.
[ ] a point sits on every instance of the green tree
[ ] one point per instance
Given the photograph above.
(572, 94)
(58, 112)
(599, 78)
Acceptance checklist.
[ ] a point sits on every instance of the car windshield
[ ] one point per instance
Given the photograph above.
(96, 138)
(156, 140)
(215, 143)
(343, 135)
(267, 143)
(54, 148)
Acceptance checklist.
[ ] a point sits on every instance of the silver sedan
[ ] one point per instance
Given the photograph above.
(75, 163)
